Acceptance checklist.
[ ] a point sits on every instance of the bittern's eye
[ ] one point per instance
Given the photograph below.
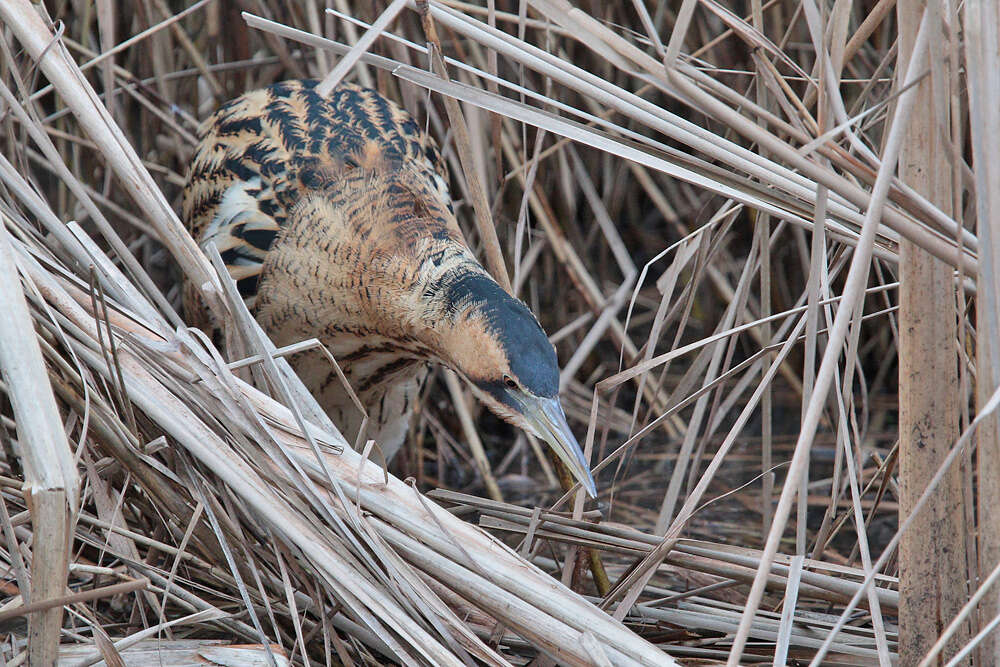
(509, 382)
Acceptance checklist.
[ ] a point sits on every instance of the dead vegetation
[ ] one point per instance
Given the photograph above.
(702, 207)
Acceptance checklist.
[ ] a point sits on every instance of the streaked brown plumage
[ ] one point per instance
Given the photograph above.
(334, 218)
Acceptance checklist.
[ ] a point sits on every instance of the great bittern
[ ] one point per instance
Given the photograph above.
(334, 218)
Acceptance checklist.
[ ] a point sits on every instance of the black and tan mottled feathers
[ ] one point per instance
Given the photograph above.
(260, 151)
(333, 215)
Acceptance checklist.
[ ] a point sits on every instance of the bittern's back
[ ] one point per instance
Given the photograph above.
(259, 151)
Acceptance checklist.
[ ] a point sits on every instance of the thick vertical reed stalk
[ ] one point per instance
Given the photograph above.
(932, 554)
(982, 52)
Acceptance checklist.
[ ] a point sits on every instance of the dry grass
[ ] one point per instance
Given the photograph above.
(702, 209)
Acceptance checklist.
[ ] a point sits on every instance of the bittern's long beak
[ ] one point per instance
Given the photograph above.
(546, 417)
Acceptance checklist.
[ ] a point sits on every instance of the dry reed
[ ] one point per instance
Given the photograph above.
(705, 212)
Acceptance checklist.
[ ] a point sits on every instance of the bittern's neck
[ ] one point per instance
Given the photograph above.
(476, 326)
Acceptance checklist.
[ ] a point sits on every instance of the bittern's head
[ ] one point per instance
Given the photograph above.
(494, 341)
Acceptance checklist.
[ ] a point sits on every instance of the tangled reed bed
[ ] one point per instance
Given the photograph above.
(655, 179)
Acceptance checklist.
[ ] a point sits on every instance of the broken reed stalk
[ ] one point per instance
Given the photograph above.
(51, 482)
